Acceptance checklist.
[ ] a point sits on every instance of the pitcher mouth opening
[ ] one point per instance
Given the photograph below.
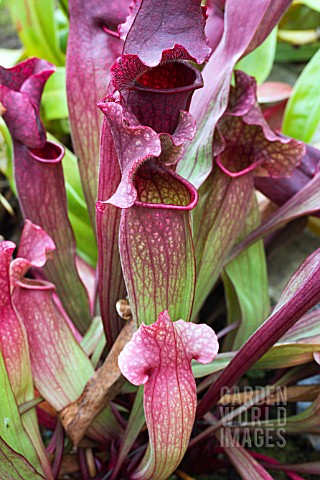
(168, 77)
(161, 188)
(50, 153)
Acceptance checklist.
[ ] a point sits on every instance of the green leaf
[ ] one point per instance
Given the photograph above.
(9, 56)
(30, 405)
(77, 208)
(305, 421)
(6, 152)
(248, 300)
(221, 361)
(279, 356)
(300, 17)
(94, 337)
(37, 28)
(98, 350)
(313, 4)
(11, 428)
(259, 63)
(14, 466)
(286, 355)
(287, 53)
(306, 330)
(54, 99)
(64, 5)
(302, 113)
(86, 242)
